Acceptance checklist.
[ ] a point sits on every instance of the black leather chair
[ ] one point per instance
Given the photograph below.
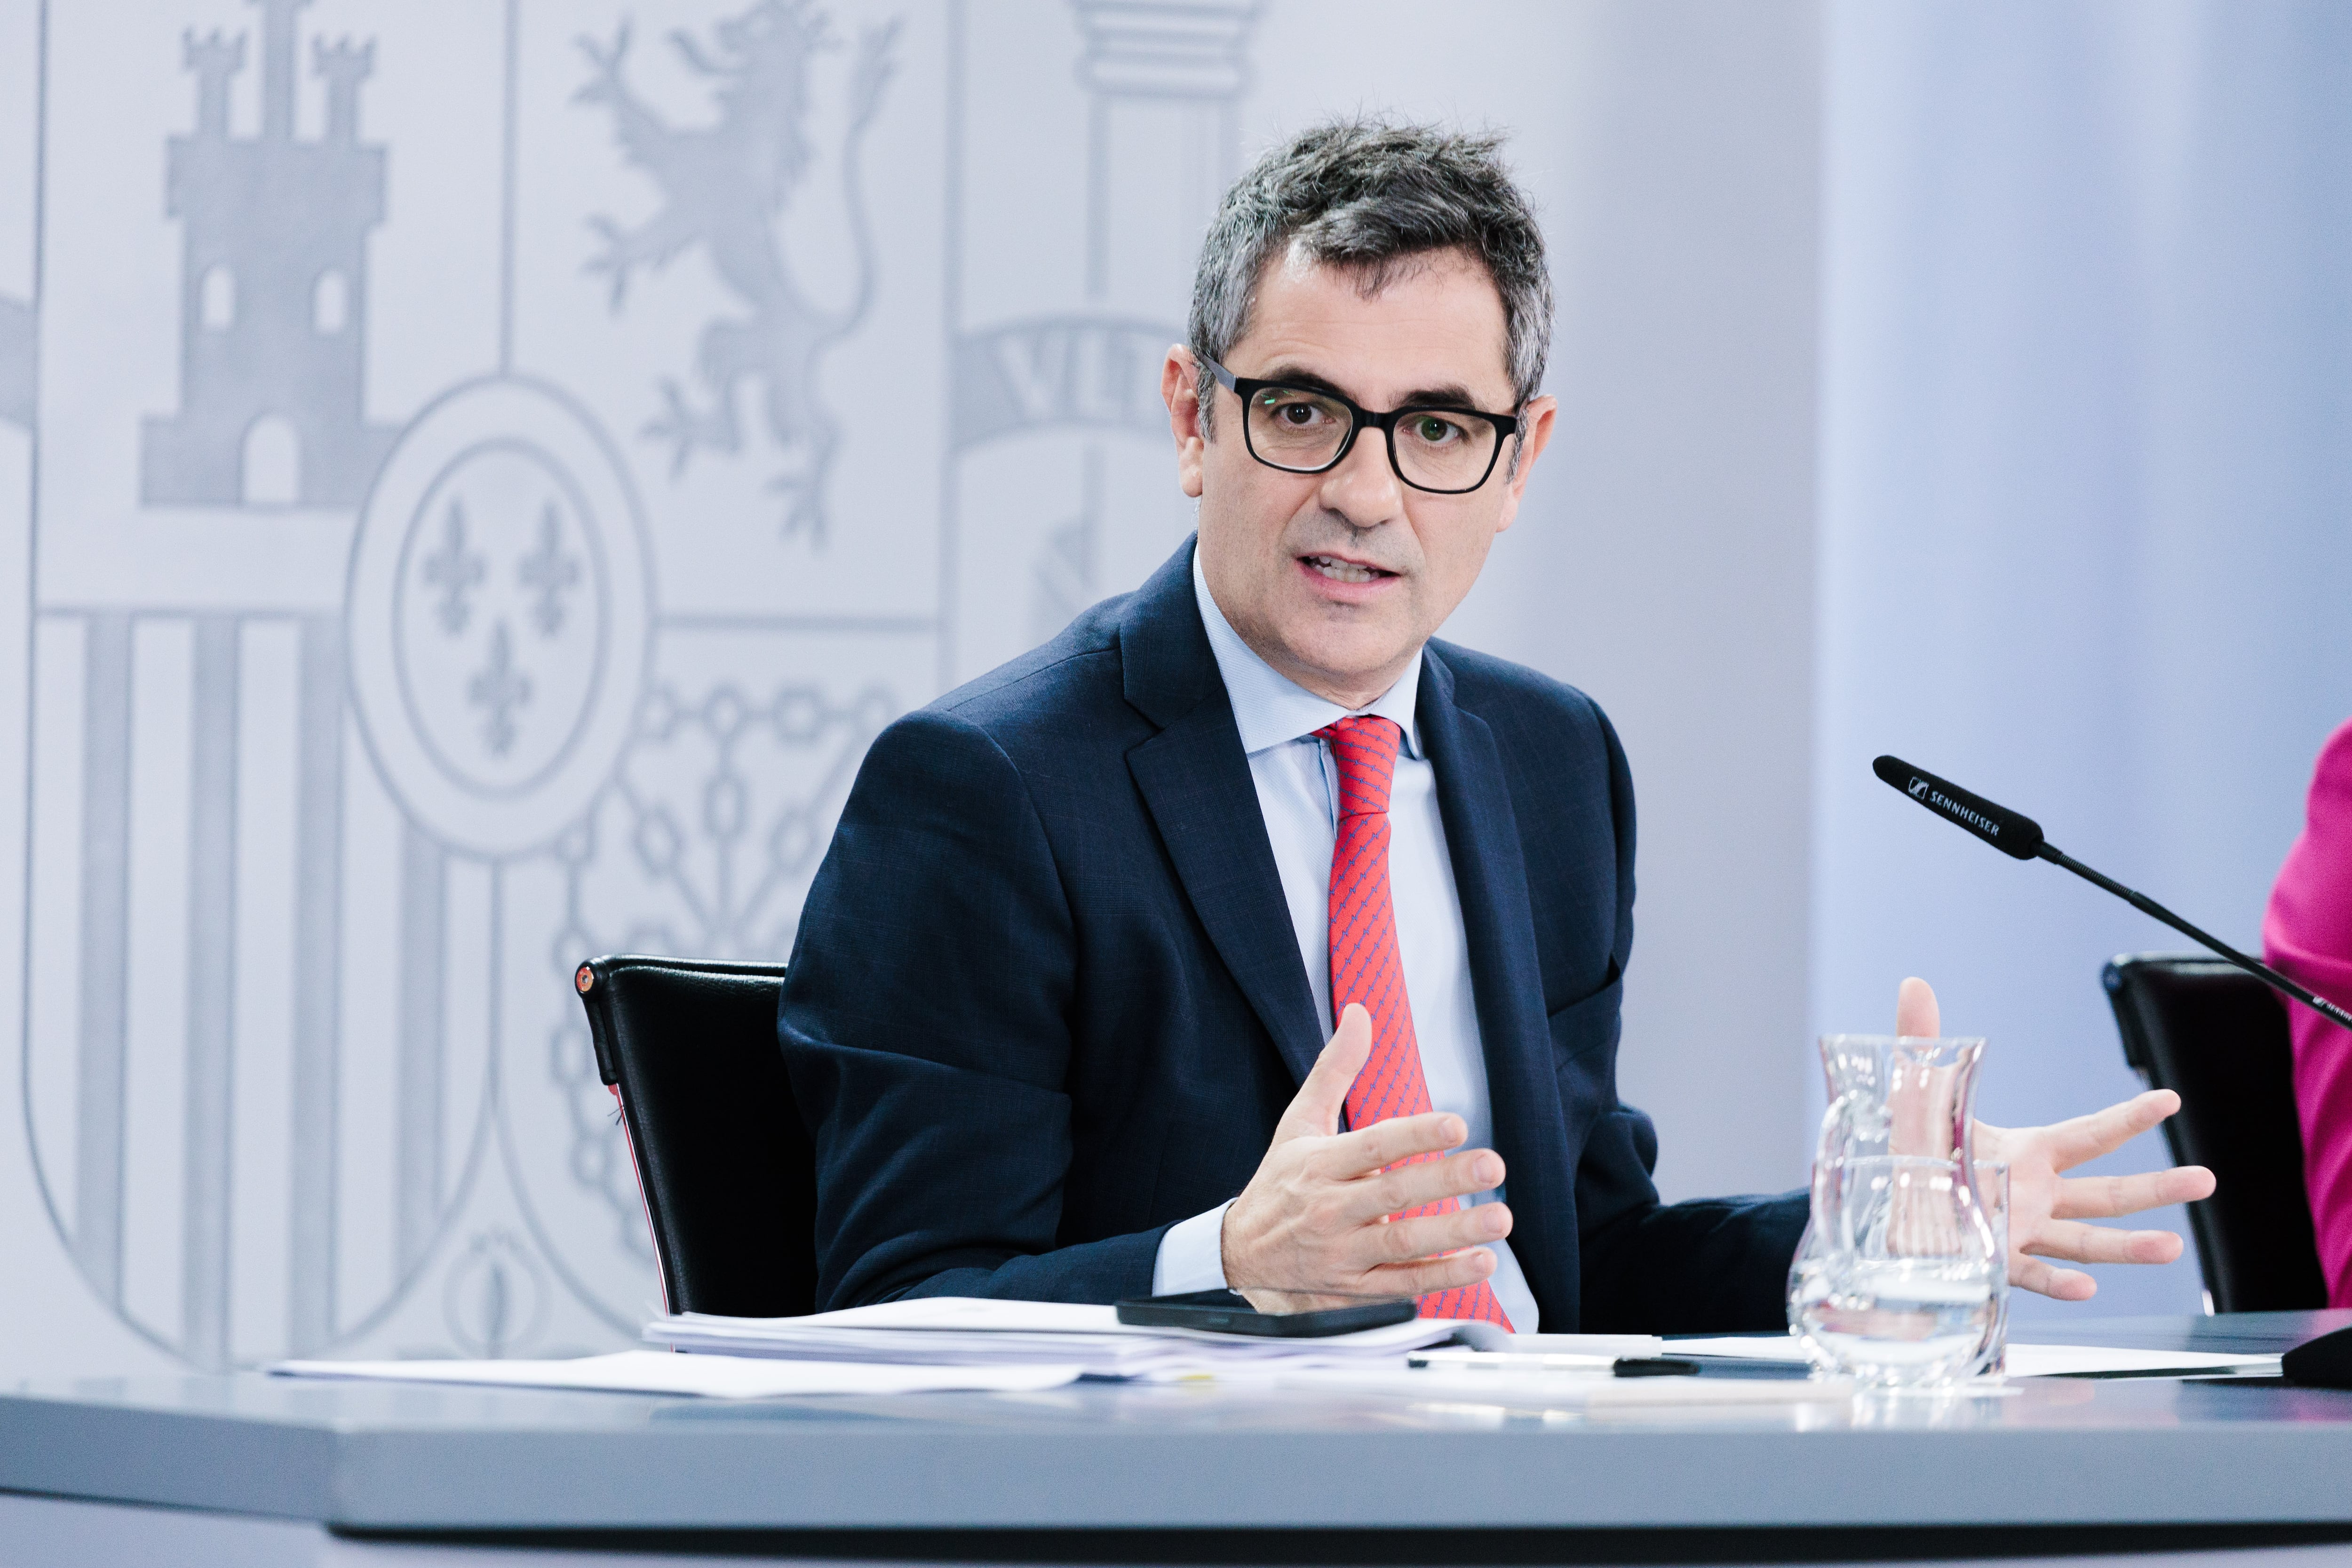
(2218, 1037)
(689, 1047)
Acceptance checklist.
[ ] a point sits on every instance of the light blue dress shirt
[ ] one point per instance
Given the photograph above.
(1297, 794)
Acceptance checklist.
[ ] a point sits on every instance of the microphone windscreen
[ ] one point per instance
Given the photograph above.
(1997, 826)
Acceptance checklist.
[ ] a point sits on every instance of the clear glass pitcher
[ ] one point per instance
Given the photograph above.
(1901, 1278)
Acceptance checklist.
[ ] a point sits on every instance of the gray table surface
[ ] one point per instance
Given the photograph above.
(1108, 1457)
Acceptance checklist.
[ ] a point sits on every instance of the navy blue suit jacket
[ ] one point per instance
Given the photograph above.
(1046, 999)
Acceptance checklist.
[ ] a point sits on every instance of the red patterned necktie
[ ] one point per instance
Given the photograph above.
(1365, 967)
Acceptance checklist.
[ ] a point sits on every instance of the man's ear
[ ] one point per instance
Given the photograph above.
(1180, 388)
(1535, 434)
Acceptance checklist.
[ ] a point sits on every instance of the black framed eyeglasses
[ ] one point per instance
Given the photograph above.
(1443, 448)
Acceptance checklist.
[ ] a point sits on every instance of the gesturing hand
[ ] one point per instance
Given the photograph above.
(1312, 1228)
(2045, 1208)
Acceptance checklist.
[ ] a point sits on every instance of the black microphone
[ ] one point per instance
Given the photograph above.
(2005, 830)
(2021, 837)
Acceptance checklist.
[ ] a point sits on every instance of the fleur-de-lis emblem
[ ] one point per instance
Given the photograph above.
(455, 570)
(499, 689)
(547, 572)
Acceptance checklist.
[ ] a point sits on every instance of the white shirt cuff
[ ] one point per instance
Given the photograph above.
(1192, 1255)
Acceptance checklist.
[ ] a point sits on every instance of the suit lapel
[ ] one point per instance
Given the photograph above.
(1482, 837)
(1195, 781)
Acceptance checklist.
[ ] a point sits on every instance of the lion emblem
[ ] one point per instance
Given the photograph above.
(724, 186)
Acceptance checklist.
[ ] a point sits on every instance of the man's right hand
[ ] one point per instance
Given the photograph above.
(1312, 1228)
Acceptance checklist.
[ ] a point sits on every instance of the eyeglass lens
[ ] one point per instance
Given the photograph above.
(1437, 449)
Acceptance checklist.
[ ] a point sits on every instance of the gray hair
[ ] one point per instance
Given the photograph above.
(1374, 197)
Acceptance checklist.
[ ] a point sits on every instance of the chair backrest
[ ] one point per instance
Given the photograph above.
(689, 1047)
(2218, 1037)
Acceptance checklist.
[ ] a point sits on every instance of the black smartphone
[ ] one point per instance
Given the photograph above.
(1226, 1313)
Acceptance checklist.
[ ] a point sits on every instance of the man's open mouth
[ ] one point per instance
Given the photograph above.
(1344, 571)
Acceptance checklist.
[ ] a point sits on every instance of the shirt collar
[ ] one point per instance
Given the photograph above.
(1269, 708)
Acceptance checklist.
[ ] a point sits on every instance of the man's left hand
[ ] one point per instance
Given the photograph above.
(2046, 1207)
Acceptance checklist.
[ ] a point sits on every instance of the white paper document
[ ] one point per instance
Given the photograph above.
(2024, 1360)
(966, 1332)
(1456, 1358)
(958, 1314)
(1760, 1347)
(1637, 1347)
(707, 1376)
(2062, 1360)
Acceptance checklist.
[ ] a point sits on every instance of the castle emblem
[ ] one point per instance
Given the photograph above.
(723, 187)
(273, 288)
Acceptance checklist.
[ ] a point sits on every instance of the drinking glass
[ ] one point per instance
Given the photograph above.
(1906, 1286)
(1899, 1280)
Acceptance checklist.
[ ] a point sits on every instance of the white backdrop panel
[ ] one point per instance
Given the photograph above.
(475, 476)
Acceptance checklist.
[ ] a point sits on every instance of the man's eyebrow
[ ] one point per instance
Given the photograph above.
(1304, 379)
(1451, 395)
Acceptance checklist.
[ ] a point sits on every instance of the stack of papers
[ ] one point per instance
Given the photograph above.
(954, 1331)
(932, 1344)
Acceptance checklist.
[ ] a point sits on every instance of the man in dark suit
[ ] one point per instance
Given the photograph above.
(1058, 1011)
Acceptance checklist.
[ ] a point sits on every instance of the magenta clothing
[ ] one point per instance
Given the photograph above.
(2308, 933)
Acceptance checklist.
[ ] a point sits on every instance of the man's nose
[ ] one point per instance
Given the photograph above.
(1364, 488)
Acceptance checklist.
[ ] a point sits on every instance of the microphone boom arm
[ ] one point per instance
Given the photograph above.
(2019, 838)
(2149, 907)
